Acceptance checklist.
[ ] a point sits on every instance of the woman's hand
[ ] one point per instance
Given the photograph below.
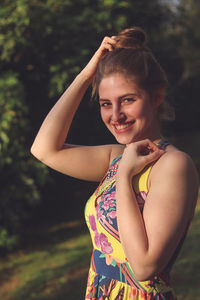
(108, 44)
(137, 155)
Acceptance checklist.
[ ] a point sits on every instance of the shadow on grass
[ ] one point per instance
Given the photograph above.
(185, 274)
(64, 282)
(68, 281)
(41, 237)
(53, 264)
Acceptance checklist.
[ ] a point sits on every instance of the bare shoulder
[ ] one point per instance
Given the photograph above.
(176, 170)
(176, 161)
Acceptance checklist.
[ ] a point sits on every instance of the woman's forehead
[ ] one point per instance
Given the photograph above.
(118, 84)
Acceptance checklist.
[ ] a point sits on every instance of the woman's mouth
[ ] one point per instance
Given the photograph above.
(120, 128)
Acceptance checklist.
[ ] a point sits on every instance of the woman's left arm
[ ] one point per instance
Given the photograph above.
(150, 239)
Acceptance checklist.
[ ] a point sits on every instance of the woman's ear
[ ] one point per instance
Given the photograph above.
(158, 97)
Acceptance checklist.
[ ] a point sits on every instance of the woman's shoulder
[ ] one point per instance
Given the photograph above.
(174, 177)
(175, 159)
(175, 163)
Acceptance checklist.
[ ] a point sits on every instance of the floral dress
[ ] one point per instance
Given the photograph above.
(110, 275)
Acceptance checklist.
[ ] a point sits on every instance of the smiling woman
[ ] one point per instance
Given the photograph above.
(139, 215)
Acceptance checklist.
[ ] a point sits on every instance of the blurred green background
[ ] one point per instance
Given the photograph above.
(44, 247)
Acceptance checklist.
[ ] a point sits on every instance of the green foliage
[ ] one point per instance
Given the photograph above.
(7, 241)
(187, 27)
(19, 191)
(184, 33)
(13, 23)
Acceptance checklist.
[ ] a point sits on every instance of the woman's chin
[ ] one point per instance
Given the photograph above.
(125, 140)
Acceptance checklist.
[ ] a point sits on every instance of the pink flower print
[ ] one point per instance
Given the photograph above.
(109, 197)
(97, 239)
(105, 245)
(112, 214)
(99, 212)
(101, 241)
(108, 204)
(92, 223)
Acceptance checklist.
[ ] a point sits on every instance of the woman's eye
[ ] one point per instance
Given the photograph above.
(129, 100)
(104, 104)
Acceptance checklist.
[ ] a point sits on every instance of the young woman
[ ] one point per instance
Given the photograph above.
(140, 213)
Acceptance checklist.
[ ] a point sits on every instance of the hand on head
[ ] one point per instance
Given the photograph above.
(107, 45)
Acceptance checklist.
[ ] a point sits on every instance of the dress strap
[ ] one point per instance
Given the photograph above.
(162, 144)
(140, 181)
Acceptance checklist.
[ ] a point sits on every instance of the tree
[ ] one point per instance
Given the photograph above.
(185, 34)
(21, 178)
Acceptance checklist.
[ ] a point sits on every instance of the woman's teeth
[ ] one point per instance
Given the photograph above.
(120, 127)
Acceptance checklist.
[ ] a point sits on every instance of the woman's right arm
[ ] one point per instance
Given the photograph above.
(84, 162)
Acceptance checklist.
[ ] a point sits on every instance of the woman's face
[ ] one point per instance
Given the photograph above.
(126, 110)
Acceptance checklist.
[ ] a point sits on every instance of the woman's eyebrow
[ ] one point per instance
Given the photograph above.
(128, 94)
(120, 97)
(103, 100)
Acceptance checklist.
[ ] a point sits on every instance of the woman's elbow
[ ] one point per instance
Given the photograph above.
(37, 153)
(143, 272)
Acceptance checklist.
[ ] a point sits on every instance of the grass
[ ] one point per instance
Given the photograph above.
(54, 267)
(185, 274)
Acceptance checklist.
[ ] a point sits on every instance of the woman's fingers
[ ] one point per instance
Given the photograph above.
(153, 155)
(146, 151)
(108, 43)
(109, 40)
(145, 147)
(139, 154)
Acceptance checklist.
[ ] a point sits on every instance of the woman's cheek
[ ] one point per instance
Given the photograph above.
(104, 115)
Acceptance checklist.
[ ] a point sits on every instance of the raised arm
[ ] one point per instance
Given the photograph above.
(87, 163)
(150, 239)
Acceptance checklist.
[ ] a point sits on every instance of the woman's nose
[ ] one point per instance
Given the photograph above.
(117, 114)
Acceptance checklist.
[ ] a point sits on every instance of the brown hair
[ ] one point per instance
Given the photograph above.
(132, 58)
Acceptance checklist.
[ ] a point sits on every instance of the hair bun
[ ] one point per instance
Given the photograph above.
(134, 38)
